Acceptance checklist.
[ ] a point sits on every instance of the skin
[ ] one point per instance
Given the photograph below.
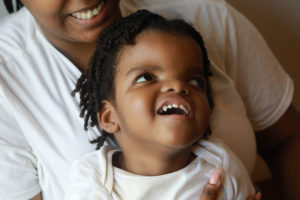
(38, 197)
(76, 39)
(173, 70)
(277, 144)
(151, 73)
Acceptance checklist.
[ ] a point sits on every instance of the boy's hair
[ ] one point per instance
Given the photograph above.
(97, 82)
(9, 4)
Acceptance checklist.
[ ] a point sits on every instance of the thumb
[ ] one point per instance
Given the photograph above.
(212, 188)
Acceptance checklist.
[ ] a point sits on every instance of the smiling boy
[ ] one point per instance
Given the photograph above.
(148, 88)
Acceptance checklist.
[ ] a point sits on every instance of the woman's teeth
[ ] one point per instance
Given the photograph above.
(89, 13)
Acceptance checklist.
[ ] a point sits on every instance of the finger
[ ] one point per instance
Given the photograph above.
(212, 188)
(210, 192)
(257, 196)
(251, 197)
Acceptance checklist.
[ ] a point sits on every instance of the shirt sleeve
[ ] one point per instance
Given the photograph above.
(85, 183)
(18, 174)
(236, 180)
(266, 89)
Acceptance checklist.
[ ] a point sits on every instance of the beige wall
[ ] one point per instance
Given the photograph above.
(279, 23)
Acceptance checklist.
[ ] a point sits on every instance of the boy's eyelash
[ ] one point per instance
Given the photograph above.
(145, 76)
(200, 81)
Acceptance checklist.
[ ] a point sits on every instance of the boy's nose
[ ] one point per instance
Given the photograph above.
(175, 86)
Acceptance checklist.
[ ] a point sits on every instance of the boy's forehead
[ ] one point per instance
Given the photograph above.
(153, 50)
(156, 39)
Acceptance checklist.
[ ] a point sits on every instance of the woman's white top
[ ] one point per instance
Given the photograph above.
(41, 133)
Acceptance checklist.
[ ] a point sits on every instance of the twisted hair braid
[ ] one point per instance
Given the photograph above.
(9, 4)
(97, 82)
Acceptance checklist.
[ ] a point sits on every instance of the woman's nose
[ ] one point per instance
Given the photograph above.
(175, 86)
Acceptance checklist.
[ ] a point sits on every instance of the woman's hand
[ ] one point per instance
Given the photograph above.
(37, 197)
(255, 197)
(213, 186)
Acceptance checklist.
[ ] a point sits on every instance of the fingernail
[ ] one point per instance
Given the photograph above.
(215, 177)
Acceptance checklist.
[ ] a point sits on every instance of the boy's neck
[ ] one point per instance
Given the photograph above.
(150, 164)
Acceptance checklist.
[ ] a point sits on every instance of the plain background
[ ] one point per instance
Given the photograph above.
(279, 23)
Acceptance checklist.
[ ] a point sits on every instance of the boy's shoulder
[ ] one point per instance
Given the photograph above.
(91, 175)
(96, 158)
(216, 152)
(95, 164)
(236, 179)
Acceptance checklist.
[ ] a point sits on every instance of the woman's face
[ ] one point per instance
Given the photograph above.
(73, 20)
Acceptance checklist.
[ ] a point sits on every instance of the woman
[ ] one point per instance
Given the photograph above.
(46, 46)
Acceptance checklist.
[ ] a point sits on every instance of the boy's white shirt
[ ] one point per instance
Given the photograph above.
(93, 177)
(41, 133)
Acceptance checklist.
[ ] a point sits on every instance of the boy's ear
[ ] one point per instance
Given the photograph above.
(107, 117)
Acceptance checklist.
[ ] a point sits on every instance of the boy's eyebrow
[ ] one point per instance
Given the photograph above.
(144, 68)
(196, 70)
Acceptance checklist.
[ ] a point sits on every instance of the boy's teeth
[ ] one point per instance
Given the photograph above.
(183, 108)
(170, 106)
(165, 108)
(89, 13)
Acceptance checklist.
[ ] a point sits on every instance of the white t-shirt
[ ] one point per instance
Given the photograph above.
(93, 177)
(41, 133)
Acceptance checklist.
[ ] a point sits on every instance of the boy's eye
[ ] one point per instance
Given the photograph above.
(144, 78)
(198, 82)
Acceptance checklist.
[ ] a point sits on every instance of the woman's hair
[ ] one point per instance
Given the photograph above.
(9, 4)
(97, 82)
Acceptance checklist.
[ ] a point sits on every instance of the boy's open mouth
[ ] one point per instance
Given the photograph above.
(173, 109)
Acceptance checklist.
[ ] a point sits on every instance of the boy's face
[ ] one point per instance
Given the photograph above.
(64, 20)
(160, 93)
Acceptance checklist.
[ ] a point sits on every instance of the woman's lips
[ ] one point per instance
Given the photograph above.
(90, 17)
(88, 13)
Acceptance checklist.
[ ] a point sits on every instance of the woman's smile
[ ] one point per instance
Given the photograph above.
(90, 16)
(88, 13)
